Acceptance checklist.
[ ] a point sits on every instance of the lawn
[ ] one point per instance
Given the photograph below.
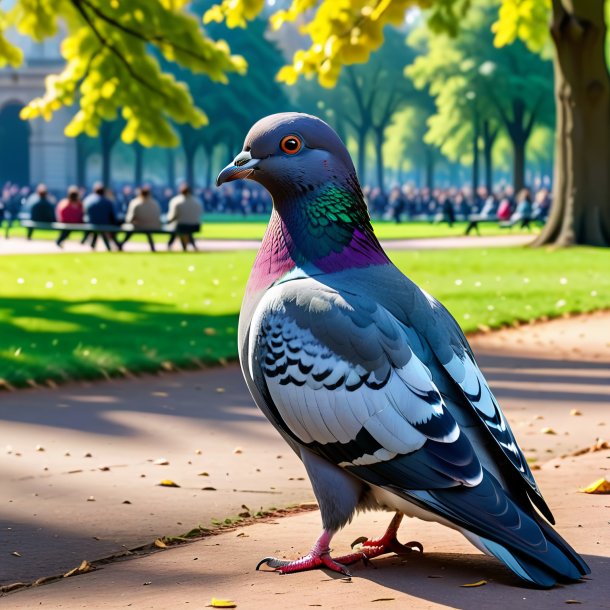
(87, 316)
(219, 228)
(223, 226)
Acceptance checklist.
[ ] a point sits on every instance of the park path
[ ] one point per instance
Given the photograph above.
(205, 422)
(18, 245)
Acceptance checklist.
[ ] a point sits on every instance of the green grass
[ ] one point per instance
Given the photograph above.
(221, 226)
(87, 316)
(384, 230)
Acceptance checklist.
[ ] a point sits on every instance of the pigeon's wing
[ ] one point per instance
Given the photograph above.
(342, 380)
(447, 341)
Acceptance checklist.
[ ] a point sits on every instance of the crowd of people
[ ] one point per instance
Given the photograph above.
(180, 216)
(453, 204)
(153, 207)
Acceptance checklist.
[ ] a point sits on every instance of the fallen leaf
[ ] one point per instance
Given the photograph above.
(16, 553)
(479, 583)
(160, 544)
(88, 455)
(572, 601)
(104, 468)
(575, 412)
(83, 568)
(221, 603)
(203, 474)
(39, 448)
(601, 486)
(220, 390)
(126, 502)
(238, 450)
(547, 431)
(208, 489)
(161, 462)
(168, 483)
(198, 452)
(91, 499)
(384, 599)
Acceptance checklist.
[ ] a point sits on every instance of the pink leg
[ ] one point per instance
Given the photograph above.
(319, 556)
(388, 543)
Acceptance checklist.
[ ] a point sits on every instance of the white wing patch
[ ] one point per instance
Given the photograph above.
(310, 387)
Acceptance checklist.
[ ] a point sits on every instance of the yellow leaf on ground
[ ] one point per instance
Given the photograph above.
(575, 412)
(222, 603)
(479, 583)
(168, 483)
(160, 544)
(601, 486)
(548, 431)
(83, 568)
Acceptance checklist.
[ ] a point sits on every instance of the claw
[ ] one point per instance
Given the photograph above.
(309, 562)
(358, 541)
(272, 562)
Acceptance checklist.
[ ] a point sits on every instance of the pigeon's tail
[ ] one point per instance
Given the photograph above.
(558, 563)
(518, 537)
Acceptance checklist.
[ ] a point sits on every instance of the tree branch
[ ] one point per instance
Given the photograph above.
(132, 32)
(114, 50)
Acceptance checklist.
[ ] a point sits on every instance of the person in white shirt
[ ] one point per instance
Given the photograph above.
(184, 216)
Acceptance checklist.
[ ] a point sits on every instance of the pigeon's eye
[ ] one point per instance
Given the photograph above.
(291, 144)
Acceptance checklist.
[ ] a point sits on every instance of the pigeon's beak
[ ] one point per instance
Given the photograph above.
(241, 167)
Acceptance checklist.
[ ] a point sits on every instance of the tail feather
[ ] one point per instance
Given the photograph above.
(515, 535)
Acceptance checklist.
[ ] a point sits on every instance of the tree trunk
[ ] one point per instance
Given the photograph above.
(139, 163)
(189, 162)
(379, 159)
(106, 144)
(171, 167)
(81, 161)
(362, 133)
(475, 157)
(209, 157)
(581, 190)
(430, 163)
(489, 137)
(519, 163)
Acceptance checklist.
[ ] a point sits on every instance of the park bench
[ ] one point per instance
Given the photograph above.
(474, 220)
(95, 230)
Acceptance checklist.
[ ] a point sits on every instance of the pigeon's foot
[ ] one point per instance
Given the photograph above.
(309, 562)
(318, 557)
(388, 543)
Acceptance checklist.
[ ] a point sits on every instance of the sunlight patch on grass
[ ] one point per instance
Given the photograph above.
(145, 312)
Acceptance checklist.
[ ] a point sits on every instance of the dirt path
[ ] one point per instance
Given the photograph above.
(539, 374)
(18, 245)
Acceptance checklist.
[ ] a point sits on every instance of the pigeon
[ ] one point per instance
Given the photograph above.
(368, 378)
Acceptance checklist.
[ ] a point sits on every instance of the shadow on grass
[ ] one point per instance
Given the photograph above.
(60, 340)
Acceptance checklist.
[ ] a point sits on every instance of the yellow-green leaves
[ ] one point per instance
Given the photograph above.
(113, 54)
(526, 20)
(236, 13)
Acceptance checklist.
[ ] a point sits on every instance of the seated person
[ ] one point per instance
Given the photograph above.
(69, 210)
(99, 210)
(184, 216)
(39, 207)
(144, 212)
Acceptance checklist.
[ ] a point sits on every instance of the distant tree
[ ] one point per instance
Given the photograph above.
(344, 33)
(367, 97)
(232, 107)
(479, 87)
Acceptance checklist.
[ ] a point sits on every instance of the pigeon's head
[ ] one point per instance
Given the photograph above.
(291, 154)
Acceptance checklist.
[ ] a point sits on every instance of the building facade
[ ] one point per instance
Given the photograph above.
(34, 151)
